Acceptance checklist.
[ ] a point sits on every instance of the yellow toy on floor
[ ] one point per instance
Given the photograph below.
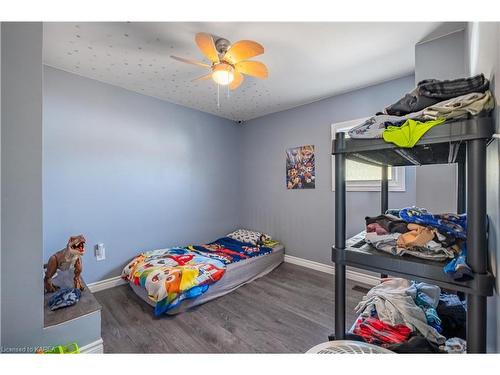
(63, 349)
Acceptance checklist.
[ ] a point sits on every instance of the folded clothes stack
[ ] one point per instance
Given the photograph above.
(403, 316)
(431, 103)
(415, 231)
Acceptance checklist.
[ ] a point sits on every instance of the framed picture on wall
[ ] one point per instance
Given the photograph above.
(300, 168)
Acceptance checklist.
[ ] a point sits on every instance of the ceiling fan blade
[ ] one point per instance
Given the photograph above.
(237, 81)
(193, 62)
(202, 78)
(206, 45)
(242, 50)
(252, 68)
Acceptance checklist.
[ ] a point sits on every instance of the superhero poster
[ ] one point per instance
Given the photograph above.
(300, 168)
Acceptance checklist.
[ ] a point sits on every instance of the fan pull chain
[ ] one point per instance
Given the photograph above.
(218, 99)
(227, 91)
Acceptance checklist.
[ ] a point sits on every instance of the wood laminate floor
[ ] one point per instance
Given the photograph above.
(287, 311)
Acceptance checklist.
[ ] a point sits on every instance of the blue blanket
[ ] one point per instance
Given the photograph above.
(451, 224)
(228, 250)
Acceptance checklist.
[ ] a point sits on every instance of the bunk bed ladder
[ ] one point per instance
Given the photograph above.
(476, 241)
(471, 199)
(340, 233)
(384, 197)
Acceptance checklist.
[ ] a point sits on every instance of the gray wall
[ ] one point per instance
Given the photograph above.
(304, 219)
(21, 199)
(21, 181)
(441, 55)
(484, 57)
(133, 172)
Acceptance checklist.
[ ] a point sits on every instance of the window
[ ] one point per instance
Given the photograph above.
(364, 177)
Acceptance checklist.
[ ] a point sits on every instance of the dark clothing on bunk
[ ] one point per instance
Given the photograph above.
(452, 313)
(443, 90)
(410, 103)
(432, 91)
(415, 345)
(390, 223)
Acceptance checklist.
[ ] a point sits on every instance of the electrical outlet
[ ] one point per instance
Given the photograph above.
(100, 251)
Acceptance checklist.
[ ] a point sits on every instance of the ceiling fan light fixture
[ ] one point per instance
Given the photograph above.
(229, 63)
(223, 74)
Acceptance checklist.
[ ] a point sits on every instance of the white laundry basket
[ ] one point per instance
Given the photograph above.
(347, 347)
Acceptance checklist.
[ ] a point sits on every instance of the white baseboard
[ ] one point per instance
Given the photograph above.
(106, 284)
(310, 264)
(350, 274)
(96, 347)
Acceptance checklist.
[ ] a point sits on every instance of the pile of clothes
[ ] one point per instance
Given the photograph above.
(408, 317)
(415, 231)
(431, 103)
(64, 298)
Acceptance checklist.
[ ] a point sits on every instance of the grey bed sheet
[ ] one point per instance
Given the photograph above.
(237, 274)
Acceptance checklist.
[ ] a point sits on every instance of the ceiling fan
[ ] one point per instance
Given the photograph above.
(229, 61)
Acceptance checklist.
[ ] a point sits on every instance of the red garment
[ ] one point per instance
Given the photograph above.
(374, 330)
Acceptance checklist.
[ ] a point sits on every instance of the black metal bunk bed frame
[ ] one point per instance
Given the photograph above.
(463, 142)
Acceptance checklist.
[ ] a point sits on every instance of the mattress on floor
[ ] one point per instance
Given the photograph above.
(236, 275)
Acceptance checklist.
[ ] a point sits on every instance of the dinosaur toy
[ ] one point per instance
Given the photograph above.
(65, 259)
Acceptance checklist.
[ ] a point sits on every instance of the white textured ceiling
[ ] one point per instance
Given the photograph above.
(306, 61)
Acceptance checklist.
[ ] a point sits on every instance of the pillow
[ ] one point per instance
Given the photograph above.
(248, 236)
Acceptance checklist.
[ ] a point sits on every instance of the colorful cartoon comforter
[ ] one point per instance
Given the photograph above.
(175, 274)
